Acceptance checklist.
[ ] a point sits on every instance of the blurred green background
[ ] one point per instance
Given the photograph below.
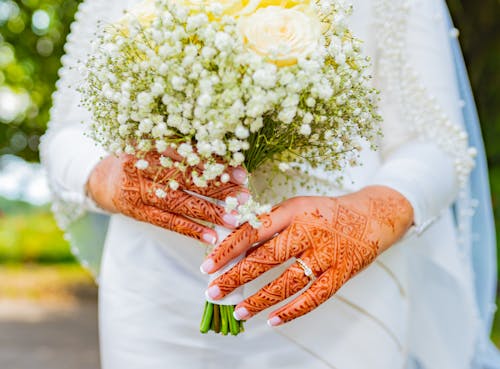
(32, 35)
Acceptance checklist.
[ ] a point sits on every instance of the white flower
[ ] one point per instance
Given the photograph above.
(159, 130)
(185, 149)
(265, 77)
(160, 193)
(178, 83)
(287, 115)
(231, 204)
(192, 159)
(144, 99)
(208, 52)
(141, 164)
(173, 184)
(310, 102)
(204, 148)
(223, 41)
(305, 129)
(212, 171)
(238, 158)
(328, 135)
(308, 118)
(204, 100)
(225, 178)
(256, 124)
(123, 130)
(146, 125)
(166, 162)
(242, 132)
(161, 146)
(196, 21)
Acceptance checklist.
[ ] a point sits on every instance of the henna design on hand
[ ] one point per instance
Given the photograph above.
(334, 237)
(136, 197)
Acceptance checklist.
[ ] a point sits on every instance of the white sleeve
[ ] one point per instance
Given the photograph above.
(66, 152)
(425, 149)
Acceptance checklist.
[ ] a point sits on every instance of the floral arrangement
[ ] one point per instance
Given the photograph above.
(231, 83)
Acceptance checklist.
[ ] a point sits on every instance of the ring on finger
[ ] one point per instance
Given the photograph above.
(307, 270)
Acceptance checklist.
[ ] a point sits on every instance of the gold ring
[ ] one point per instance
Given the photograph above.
(307, 271)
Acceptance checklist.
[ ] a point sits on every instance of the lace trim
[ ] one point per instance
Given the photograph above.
(428, 120)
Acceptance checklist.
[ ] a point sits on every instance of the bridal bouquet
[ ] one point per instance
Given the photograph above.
(231, 83)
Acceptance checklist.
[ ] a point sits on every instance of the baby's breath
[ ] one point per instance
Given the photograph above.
(187, 81)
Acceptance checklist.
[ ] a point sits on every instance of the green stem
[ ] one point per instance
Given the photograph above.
(207, 317)
(224, 322)
(216, 319)
(234, 325)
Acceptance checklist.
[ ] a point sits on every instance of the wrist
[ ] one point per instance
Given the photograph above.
(391, 214)
(99, 187)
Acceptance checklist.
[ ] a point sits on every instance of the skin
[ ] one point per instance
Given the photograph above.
(117, 186)
(335, 237)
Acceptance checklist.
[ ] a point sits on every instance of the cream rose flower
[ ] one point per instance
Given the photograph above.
(283, 35)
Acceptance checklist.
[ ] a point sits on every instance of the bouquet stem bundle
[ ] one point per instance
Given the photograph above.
(220, 319)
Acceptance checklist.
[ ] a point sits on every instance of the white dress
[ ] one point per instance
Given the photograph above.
(415, 303)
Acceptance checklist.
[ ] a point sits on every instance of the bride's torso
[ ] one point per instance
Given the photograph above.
(153, 254)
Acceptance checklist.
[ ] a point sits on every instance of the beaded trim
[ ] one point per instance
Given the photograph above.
(402, 83)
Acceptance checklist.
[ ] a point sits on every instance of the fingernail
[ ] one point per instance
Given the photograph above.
(230, 220)
(241, 313)
(243, 197)
(240, 175)
(274, 321)
(207, 266)
(213, 292)
(210, 238)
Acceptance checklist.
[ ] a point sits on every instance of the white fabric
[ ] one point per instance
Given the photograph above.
(407, 170)
(415, 299)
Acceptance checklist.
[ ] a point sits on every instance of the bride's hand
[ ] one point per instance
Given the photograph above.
(118, 186)
(334, 237)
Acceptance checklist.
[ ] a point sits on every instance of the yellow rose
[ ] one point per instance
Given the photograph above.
(281, 34)
(145, 12)
(241, 7)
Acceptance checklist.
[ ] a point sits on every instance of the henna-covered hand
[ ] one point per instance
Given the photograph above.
(335, 237)
(118, 186)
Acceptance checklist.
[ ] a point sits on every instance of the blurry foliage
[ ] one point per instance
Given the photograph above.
(479, 24)
(29, 234)
(32, 35)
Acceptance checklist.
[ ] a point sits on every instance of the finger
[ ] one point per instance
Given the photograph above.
(320, 291)
(181, 203)
(263, 258)
(239, 175)
(174, 222)
(288, 284)
(222, 191)
(245, 237)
